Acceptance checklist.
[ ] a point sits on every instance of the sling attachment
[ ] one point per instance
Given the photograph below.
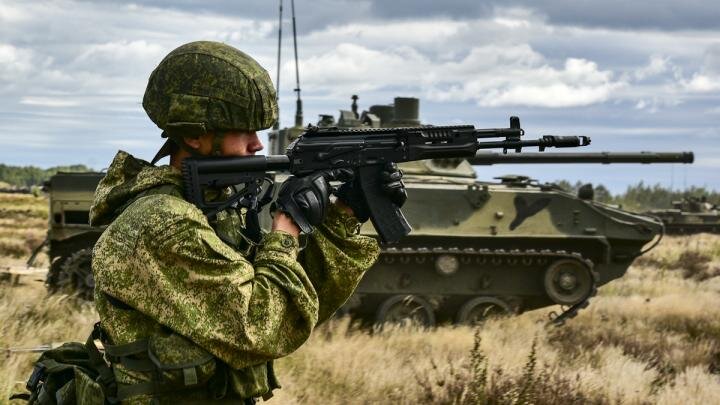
(106, 377)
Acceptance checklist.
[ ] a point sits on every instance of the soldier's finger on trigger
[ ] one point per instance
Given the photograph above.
(391, 166)
(392, 176)
(344, 175)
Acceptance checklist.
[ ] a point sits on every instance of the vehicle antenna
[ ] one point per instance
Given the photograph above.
(298, 106)
(276, 126)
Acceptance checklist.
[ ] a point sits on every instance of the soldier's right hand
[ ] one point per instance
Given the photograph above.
(306, 199)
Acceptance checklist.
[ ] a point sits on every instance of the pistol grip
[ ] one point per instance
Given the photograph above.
(389, 221)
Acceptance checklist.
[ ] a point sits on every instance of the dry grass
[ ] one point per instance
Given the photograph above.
(696, 257)
(30, 318)
(651, 337)
(23, 221)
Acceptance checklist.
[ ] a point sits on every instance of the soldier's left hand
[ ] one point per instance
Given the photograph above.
(351, 194)
(306, 199)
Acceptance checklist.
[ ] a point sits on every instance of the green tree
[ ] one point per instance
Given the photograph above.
(28, 176)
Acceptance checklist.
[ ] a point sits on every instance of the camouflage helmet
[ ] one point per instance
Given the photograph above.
(209, 87)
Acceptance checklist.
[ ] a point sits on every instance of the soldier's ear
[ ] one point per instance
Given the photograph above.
(194, 143)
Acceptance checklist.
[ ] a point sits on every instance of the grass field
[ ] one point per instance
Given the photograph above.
(651, 337)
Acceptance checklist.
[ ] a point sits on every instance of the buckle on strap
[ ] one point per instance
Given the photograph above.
(106, 377)
(38, 374)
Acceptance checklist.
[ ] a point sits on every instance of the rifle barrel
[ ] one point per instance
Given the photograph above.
(491, 158)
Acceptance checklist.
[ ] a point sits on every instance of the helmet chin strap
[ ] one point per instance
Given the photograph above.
(180, 142)
(164, 150)
(217, 143)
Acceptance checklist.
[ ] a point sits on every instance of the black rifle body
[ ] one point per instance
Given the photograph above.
(366, 151)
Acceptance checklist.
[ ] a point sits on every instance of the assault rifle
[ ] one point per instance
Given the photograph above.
(364, 150)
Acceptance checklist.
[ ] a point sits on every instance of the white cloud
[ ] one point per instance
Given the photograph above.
(657, 65)
(527, 80)
(120, 52)
(410, 33)
(52, 102)
(512, 22)
(489, 75)
(654, 104)
(351, 66)
(14, 61)
(700, 83)
(11, 14)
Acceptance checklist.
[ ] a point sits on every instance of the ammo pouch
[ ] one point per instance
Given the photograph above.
(172, 366)
(77, 373)
(73, 373)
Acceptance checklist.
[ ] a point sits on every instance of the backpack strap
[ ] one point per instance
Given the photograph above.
(106, 377)
(126, 355)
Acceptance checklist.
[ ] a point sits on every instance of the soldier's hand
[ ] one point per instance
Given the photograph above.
(350, 193)
(306, 199)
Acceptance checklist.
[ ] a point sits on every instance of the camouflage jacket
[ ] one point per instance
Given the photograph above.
(199, 299)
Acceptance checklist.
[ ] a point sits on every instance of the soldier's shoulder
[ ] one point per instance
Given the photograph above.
(163, 208)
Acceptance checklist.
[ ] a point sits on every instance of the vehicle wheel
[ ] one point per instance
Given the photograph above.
(480, 309)
(75, 275)
(406, 310)
(51, 280)
(568, 281)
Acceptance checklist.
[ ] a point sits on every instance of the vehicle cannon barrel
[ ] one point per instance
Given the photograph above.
(485, 158)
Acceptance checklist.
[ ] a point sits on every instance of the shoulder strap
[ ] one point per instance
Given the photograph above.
(106, 377)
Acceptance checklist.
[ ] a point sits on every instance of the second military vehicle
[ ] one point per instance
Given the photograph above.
(690, 215)
(70, 237)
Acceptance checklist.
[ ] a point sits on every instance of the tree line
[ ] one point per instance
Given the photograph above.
(28, 176)
(642, 196)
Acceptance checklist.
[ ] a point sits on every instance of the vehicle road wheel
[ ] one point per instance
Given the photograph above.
(480, 309)
(75, 275)
(406, 310)
(568, 281)
(53, 275)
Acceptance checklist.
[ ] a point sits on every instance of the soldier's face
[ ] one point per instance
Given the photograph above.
(240, 143)
(234, 143)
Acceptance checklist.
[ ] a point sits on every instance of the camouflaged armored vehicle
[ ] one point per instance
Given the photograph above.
(690, 215)
(483, 248)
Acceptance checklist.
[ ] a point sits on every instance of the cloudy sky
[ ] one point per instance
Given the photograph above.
(641, 75)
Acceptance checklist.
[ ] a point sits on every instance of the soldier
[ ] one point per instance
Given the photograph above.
(194, 310)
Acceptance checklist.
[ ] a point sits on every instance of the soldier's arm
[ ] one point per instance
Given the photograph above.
(177, 271)
(337, 257)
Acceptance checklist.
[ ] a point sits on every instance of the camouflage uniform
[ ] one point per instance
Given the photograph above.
(194, 294)
(215, 311)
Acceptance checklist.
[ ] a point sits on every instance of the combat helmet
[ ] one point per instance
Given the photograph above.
(205, 87)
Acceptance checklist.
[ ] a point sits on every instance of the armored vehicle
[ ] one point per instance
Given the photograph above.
(487, 248)
(480, 248)
(70, 238)
(690, 215)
